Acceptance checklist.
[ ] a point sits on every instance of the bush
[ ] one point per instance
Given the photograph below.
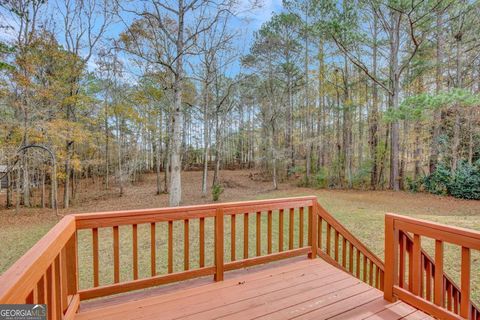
(414, 185)
(438, 181)
(320, 180)
(217, 190)
(465, 182)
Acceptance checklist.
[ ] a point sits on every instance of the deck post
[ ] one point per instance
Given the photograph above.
(219, 245)
(72, 265)
(313, 213)
(391, 257)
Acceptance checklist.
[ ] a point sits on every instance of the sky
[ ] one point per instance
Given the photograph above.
(246, 23)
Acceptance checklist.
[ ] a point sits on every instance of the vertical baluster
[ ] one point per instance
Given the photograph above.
(63, 279)
(465, 283)
(410, 265)
(95, 256)
(319, 232)
(312, 227)
(280, 230)
(300, 228)
(422, 273)
(377, 277)
(202, 242)
(365, 268)
(416, 265)
(456, 302)
(449, 296)
(344, 252)
(370, 273)
(135, 251)
(153, 255)
(438, 274)
(259, 233)
(350, 262)
(232, 237)
(336, 245)
(245, 235)
(41, 290)
(170, 247)
(50, 292)
(71, 265)
(358, 264)
(269, 231)
(219, 240)
(186, 245)
(116, 255)
(58, 292)
(329, 231)
(290, 228)
(428, 280)
(401, 267)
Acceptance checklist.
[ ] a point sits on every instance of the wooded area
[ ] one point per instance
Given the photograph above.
(369, 94)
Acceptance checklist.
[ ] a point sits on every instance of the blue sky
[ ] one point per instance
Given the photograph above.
(246, 24)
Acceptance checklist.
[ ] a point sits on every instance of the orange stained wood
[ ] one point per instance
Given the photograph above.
(297, 288)
(343, 284)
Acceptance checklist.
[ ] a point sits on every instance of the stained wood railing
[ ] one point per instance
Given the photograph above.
(46, 274)
(339, 247)
(158, 246)
(419, 279)
(257, 245)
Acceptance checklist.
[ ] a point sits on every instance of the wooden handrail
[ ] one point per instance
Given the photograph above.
(355, 266)
(447, 300)
(217, 213)
(47, 273)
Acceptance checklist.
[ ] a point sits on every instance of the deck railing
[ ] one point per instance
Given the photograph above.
(93, 255)
(352, 255)
(46, 274)
(252, 216)
(417, 278)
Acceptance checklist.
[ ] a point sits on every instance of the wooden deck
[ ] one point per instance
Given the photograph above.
(341, 278)
(290, 289)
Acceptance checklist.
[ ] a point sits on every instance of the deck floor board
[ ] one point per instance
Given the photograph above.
(291, 289)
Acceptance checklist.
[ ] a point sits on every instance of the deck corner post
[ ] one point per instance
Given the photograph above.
(391, 263)
(219, 240)
(313, 214)
(71, 265)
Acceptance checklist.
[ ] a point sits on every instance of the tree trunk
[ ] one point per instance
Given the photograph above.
(437, 118)
(175, 196)
(394, 99)
(206, 137)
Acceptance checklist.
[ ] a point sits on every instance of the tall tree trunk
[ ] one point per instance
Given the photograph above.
(437, 118)
(394, 98)
(206, 137)
(107, 146)
(158, 156)
(175, 196)
(456, 110)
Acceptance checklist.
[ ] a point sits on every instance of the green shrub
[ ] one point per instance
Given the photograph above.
(320, 179)
(217, 190)
(438, 182)
(465, 182)
(414, 185)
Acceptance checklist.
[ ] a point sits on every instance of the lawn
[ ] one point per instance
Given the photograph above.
(362, 212)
